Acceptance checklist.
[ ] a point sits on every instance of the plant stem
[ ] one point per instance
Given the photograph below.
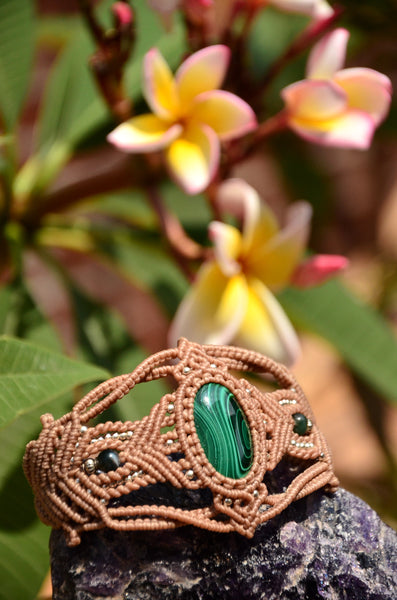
(182, 246)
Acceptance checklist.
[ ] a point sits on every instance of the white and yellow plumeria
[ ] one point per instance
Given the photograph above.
(335, 106)
(232, 301)
(190, 116)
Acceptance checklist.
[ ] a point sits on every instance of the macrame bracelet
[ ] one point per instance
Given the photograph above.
(219, 444)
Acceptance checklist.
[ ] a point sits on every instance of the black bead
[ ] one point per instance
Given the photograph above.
(301, 424)
(108, 460)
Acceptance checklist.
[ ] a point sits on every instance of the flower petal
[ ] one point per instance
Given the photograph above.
(238, 198)
(144, 133)
(328, 55)
(193, 158)
(367, 90)
(275, 261)
(318, 269)
(265, 326)
(352, 129)
(203, 71)
(228, 245)
(318, 9)
(159, 85)
(314, 100)
(213, 308)
(225, 113)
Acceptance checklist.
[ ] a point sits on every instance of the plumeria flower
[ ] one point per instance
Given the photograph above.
(190, 116)
(232, 301)
(335, 106)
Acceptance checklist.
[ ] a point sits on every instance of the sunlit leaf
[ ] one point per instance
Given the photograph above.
(31, 375)
(357, 331)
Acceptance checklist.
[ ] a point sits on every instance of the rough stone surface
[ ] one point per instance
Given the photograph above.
(324, 547)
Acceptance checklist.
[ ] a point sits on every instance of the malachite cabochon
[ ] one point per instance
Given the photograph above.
(223, 431)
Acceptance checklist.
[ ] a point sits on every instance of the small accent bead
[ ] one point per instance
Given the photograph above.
(89, 491)
(77, 480)
(255, 493)
(93, 441)
(309, 425)
(83, 429)
(190, 474)
(103, 500)
(108, 436)
(130, 433)
(108, 460)
(263, 508)
(293, 442)
(300, 426)
(169, 442)
(228, 501)
(186, 369)
(170, 407)
(213, 365)
(123, 436)
(77, 445)
(129, 477)
(115, 435)
(72, 460)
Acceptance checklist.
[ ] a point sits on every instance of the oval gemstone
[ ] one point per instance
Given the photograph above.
(223, 431)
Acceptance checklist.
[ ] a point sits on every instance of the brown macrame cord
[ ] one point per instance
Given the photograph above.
(68, 497)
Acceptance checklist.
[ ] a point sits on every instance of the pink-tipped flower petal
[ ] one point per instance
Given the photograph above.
(227, 246)
(236, 197)
(144, 133)
(328, 55)
(193, 158)
(159, 85)
(314, 100)
(203, 71)
(276, 260)
(225, 113)
(265, 326)
(367, 90)
(213, 308)
(317, 9)
(352, 129)
(318, 269)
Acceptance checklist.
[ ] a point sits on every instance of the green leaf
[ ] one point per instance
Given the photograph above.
(17, 28)
(31, 376)
(356, 330)
(23, 538)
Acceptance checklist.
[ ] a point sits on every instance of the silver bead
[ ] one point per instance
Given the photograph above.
(123, 436)
(228, 502)
(77, 480)
(83, 429)
(130, 433)
(169, 442)
(213, 365)
(115, 435)
(108, 436)
(186, 369)
(263, 508)
(89, 466)
(255, 493)
(170, 407)
(103, 500)
(77, 445)
(190, 474)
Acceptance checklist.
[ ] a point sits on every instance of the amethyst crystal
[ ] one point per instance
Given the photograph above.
(323, 547)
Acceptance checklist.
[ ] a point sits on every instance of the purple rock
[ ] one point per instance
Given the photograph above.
(323, 547)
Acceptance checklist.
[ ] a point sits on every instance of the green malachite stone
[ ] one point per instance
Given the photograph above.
(223, 430)
(301, 423)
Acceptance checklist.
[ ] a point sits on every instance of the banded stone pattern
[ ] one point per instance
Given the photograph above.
(223, 431)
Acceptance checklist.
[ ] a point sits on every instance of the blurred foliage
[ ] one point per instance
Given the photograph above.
(78, 237)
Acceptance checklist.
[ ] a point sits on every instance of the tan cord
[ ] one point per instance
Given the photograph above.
(73, 493)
